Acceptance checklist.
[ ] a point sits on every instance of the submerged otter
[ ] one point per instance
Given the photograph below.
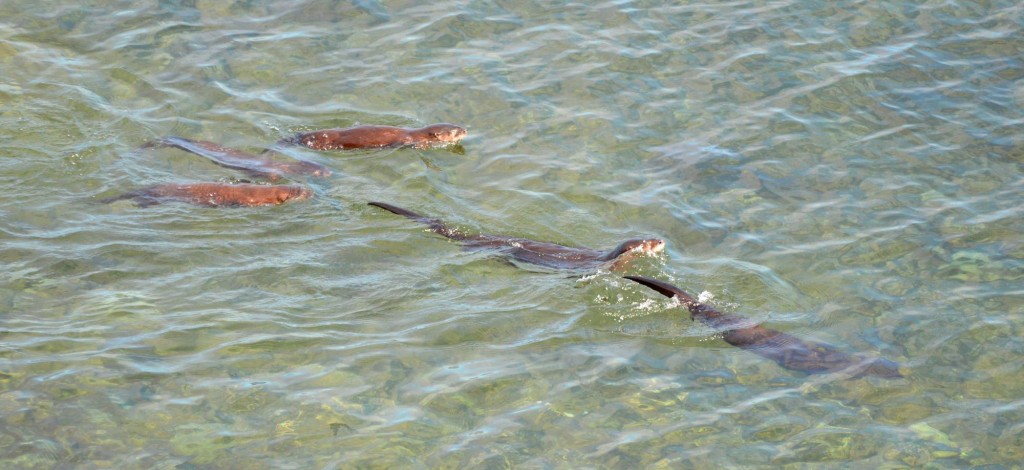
(785, 349)
(215, 194)
(254, 165)
(364, 137)
(544, 254)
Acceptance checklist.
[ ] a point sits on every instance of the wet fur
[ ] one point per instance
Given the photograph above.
(786, 350)
(215, 194)
(366, 137)
(545, 254)
(254, 165)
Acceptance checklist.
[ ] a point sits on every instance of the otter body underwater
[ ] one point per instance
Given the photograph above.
(545, 254)
(254, 165)
(786, 350)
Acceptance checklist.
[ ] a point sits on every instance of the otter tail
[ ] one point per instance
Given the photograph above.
(179, 143)
(664, 288)
(169, 141)
(285, 142)
(119, 197)
(142, 198)
(398, 210)
(704, 312)
(435, 224)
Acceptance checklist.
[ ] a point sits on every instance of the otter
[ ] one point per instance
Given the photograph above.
(254, 165)
(215, 194)
(786, 350)
(367, 137)
(543, 254)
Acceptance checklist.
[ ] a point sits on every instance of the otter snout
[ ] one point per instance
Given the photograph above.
(297, 193)
(302, 193)
(653, 245)
(644, 245)
(443, 133)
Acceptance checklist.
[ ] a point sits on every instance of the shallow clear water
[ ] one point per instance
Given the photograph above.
(846, 172)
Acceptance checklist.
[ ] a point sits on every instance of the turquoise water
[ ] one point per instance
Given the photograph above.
(846, 172)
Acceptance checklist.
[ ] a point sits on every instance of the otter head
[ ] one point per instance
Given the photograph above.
(287, 193)
(647, 246)
(440, 133)
(303, 167)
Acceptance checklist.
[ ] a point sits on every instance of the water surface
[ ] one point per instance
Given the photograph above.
(846, 172)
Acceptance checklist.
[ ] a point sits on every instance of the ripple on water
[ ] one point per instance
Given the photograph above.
(843, 172)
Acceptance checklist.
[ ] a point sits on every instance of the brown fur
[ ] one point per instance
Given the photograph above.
(216, 194)
(365, 137)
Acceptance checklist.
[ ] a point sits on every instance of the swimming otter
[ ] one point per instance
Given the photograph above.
(215, 194)
(364, 137)
(786, 350)
(538, 253)
(254, 165)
